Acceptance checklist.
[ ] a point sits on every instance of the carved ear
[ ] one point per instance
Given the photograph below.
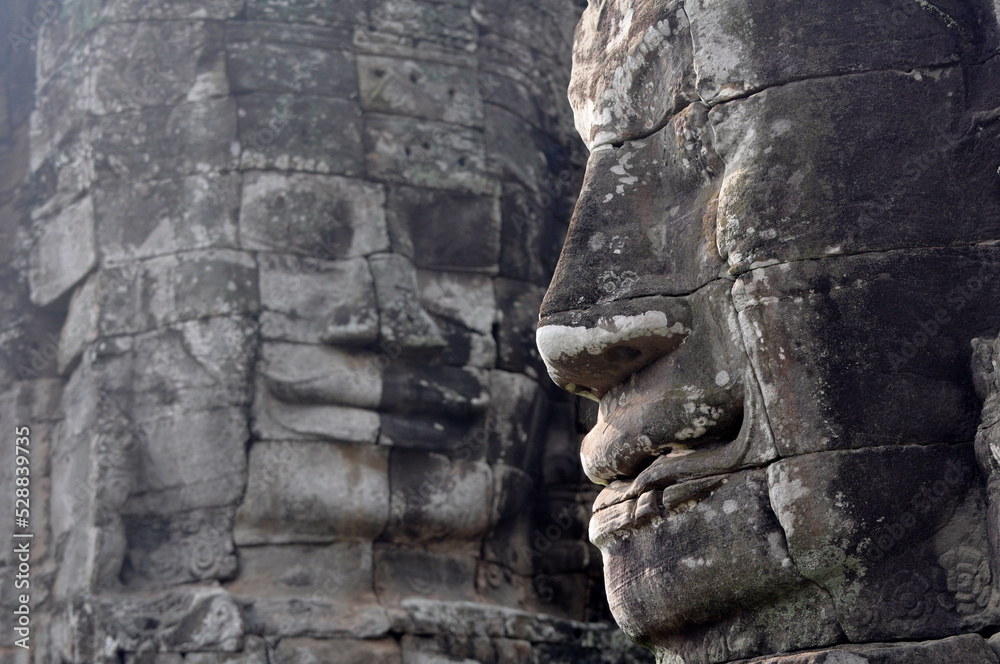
(984, 368)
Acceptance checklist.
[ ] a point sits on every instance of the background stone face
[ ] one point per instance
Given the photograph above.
(271, 273)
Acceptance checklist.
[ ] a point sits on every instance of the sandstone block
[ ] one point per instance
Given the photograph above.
(318, 216)
(445, 230)
(64, 252)
(312, 301)
(313, 492)
(300, 133)
(426, 154)
(421, 89)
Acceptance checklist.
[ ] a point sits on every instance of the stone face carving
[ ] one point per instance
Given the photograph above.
(784, 244)
(271, 274)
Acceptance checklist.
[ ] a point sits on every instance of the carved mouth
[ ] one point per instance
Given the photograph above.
(661, 450)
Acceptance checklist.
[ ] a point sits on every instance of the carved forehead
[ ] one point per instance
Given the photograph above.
(637, 62)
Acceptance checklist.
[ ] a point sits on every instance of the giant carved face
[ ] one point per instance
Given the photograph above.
(784, 245)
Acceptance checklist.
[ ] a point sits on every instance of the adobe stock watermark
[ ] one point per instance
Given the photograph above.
(23, 34)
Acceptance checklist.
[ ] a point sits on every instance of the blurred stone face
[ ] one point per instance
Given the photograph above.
(784, 245)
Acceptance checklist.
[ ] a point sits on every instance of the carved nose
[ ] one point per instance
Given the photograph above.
(590, 351)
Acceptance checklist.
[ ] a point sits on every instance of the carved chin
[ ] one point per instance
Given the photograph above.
(711, 567)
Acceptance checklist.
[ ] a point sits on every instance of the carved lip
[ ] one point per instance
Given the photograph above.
(618, 517)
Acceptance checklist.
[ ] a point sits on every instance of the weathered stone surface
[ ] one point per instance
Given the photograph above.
(420, 89)
(530, 234)
(275, 419)
(624, 245)
(298, 373)
(300, 133)
(897, 536)
(192, 137)
(81, 326)
(334, 572)
(171, 477)
(348, 651)
(717, 528)
(446, 391)
(443, 230)
(171, 549)
(283, 618)
(145, 219)
(135, 297)
(313, 492)
(426, 154)
(269, 57)
(64, 252)
(632, 70)
(306, 300)
(196, 620)
(466, 299)
(518, 304)
(829, 339)
(435, 499)
(740, 47)
(127, 66)
(969, 648)
(317, 12)
(402, 572)
(780, 201)
(412, 24)
(317, 216)
(403, 321)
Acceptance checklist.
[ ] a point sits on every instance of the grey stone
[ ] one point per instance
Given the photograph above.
(171, 549)
(81, 326)
(402, 572)
(426, 154)
(128, 72)
(144, 219)
(313, 492)
(300, 133)
(445, 391)
(307, 300)
(720, 527)
(64, 252)
(444, 230)
(531, 235)
(318, 216)
(746, 46)
(135, 297)
(172, 478)
(348, 651)
(518, 304)
(189, 138)
(284, 618)
(345, 13)
(271, 57)
(466, 299)
(193, 620)
(632, 70)
(858, 199)
(341, 571)
(428, 90)
(275, 419)
(639, 226)
(435, 499)
(969, 648)
(896, 341)
(298, 373)
(413, 24)
(897, 536)
(403, 321)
